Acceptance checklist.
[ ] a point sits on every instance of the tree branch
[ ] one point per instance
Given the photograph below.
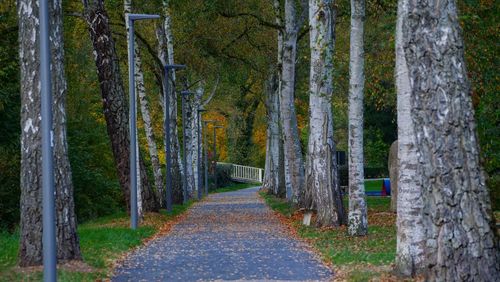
(261, 21)
(212, 94)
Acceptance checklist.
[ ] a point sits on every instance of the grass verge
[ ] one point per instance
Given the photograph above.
(353, 258)
(102, 241)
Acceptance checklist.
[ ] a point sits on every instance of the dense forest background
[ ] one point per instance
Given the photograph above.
(232, 40)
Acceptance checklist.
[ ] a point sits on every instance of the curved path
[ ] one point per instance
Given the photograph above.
(227, 236)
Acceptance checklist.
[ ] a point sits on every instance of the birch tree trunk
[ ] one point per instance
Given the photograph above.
(191, 149)
(274, 180)
(410, 229)
(146, 116)
(321, 170)
(166, 54)
(294, 165)
(393, 167)
(457, 219)
(195, 141)
(358, 221)
(30, 250)
(113, 97)
(127, 7)
(273, 175)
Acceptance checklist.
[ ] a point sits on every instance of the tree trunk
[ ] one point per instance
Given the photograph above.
(146, 116)
(321, 171)
(358, 221)
(393, 163)
(113, 97)
(30, 251)
(191, 150)
(166, 54)
(273, 176)
(274, 179)
(294, 165)
(457, 219)
(410, 229)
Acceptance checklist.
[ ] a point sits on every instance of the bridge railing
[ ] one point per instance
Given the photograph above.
(243, 173)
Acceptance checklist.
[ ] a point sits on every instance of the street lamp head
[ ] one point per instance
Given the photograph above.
(201, 110)
(135, 17)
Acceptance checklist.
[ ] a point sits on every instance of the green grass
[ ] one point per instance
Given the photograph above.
(101, 241)
(278, 204)
(234, 187)
(375, 185)
(378, 248)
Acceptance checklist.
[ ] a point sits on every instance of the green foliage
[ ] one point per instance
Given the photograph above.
(9, 117)
(223, 175)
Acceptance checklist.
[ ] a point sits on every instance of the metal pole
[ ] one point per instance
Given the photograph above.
(132, 126)
(215, 156)
(200, 192)
(132, 116)
(48, 189)
(168, 156)
(184, 137)
(215, 159)
(184, 163)
(206, 158)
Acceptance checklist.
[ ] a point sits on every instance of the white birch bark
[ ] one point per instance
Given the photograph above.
(294, 164)
(193, 103)
(321, 169)
(460, 237)
(273, 174)
(274, 166)
(166, 55)
(357, 220)
(127, 6)
(145, 114)
(31, 206)
(410, 229)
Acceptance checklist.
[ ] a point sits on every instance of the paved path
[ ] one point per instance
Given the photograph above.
(228, 236)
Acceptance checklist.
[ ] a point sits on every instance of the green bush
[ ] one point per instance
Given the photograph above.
(370, 172)
(223, 175)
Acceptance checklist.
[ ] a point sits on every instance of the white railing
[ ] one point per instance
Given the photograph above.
(246, 173)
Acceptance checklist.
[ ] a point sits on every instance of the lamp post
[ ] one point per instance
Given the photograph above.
(184, 162)
(48, 217)
(215, 155)
(131, 18)
(206, 122)
(168, 156)
(200, 192)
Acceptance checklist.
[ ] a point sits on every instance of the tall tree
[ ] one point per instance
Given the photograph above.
(321, 171)
(113, 97)
(410, 230)
(30, 251)
(273, 172)
(274, 164)
(193, 103)
(457, 219)
(165, 39)
(294, 164)
(145, 114)
(358, 221)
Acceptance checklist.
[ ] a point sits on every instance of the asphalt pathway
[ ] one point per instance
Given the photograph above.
(227, 236)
